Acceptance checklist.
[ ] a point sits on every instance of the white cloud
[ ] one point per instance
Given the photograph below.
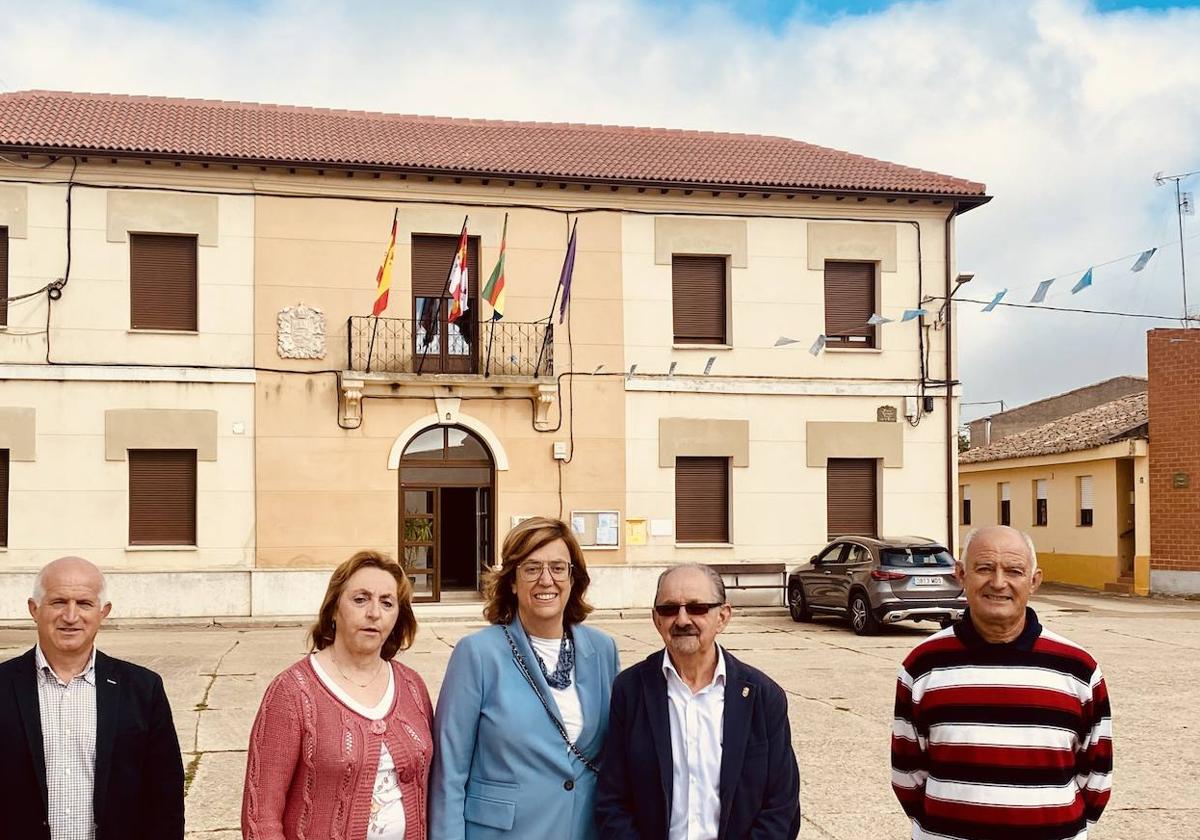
(1064, 112)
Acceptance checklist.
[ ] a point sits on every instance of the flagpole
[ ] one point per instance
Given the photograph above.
(438, 306)
(487, 366)
(553, 304)
(375, 325)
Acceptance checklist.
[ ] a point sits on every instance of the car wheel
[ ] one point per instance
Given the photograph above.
(862, 619)
(797, 606)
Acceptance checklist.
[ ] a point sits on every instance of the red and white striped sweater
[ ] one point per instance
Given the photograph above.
(997, 741)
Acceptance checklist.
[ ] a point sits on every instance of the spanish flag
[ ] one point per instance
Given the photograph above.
(383, 280)
(494, 290)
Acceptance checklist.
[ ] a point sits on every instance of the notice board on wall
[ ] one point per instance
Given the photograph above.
(597, 528)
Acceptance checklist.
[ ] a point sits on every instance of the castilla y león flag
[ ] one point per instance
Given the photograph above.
(383, 280)
(458, 285)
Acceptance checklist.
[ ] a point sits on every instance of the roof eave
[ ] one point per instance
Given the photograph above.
(962, 201)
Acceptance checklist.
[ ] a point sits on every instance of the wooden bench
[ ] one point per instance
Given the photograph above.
(736, 570)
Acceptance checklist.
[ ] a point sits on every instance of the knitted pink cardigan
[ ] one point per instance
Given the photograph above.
(312, 762)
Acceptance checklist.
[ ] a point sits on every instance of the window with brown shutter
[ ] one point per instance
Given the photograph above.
(702, 500)
(3, 497)
(3, 276)
(446, 347)
(851, 497)
(849, 304)
(698, 299)
(162, 497)
(162, 282)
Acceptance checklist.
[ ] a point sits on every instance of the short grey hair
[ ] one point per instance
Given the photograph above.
(962, 557)
(713, 575)
(39, 583)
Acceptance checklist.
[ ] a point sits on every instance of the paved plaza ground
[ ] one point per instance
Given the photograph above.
(840, 688)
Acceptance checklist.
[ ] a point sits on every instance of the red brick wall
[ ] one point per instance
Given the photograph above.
(1173, 365)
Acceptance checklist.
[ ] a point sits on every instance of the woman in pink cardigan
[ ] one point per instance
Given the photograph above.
(341, 746)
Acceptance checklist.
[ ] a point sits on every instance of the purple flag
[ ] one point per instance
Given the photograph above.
(564, 279)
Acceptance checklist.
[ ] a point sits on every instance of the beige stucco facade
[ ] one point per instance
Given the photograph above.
(306, 451)
(1115, 545)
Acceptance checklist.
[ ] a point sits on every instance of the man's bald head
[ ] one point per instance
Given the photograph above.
(1003, 533)
(74, 567)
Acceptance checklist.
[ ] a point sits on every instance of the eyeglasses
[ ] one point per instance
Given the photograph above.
(693, 608)
(531, 571)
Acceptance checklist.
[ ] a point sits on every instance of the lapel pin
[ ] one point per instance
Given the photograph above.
(107, 680)
(746, 691)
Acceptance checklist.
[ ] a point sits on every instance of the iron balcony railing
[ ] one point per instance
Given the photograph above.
(401, 345)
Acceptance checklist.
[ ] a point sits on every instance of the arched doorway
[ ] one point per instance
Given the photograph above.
(446, 491)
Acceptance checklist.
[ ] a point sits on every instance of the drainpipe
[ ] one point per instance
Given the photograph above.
(951, 434)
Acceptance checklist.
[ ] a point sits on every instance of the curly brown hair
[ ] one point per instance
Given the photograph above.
(323, 631)
(522, 541)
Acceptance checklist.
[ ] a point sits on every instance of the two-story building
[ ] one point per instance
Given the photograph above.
(757, 352)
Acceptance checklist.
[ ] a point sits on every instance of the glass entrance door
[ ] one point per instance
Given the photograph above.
(446, 487)
(419, 542)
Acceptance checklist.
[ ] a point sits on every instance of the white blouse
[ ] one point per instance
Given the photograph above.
(566, 698)
(387, 808)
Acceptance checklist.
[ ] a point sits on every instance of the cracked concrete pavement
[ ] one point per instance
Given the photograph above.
(840, 688)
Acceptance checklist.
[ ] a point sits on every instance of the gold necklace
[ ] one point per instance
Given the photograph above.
(338, 665)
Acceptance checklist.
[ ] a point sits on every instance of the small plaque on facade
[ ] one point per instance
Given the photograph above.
(301, 332)
(886, 414)
(1180, 481)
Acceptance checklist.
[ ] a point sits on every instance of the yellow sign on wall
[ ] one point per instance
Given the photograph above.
(635, 532)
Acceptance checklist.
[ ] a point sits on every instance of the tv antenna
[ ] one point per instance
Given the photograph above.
(1183, 204)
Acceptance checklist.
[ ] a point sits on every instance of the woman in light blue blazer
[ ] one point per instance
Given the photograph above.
(523, 710)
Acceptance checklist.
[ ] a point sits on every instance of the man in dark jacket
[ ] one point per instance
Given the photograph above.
(90, 749)
(699, 744)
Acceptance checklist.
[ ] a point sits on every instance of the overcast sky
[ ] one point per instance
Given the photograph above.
(1065, 108)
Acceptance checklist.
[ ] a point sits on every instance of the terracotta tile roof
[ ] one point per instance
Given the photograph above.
(250, 132)
(1088, 429)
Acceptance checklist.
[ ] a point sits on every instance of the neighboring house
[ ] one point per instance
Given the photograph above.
(192, 407)
(1079, 485)
(988, 430)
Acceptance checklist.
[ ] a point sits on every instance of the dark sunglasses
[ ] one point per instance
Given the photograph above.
(672, 610)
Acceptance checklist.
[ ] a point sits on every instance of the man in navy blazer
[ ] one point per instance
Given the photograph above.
(699, 744)
(90, 750)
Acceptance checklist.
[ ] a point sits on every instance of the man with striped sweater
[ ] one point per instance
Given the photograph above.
(1002, 728)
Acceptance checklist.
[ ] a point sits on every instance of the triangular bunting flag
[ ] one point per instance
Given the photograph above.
(817, 346)
(1040, 295)
(1142, 260)
(995, 300)
(1084, 282)
(784, 340)
(877, 319)
(909, 314)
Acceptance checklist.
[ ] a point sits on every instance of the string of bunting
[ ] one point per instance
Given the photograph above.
(1039, 296)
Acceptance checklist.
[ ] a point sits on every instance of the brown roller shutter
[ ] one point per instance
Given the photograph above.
(851, 497)
(702, 500)
(162, 282)
(698, 299)
(431, 258)
(162, 497)
(3, 497)
(3, 275)
(849, 303)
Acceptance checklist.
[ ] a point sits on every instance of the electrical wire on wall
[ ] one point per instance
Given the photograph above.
(55, 288)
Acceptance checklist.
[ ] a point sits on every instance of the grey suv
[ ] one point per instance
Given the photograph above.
(878, 581)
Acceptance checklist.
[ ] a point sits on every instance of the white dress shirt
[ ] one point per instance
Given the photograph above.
(696, 732)
(68, 714)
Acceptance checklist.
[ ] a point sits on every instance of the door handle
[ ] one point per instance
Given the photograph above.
(849, 573)
(828, 572)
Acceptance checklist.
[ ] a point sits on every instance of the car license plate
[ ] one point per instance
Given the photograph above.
(928, 580)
